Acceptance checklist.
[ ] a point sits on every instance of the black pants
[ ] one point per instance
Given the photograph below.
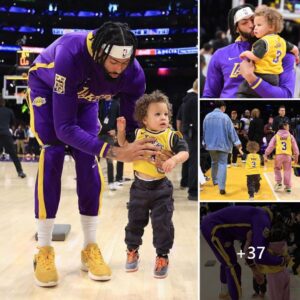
(33, 146)
(233, 155)
(244, 142)
(260, 288)
(253, 184)
(184, 174)
(7, 142)
(205, 161)
(152, 199)
(120, 167)
(193, 166)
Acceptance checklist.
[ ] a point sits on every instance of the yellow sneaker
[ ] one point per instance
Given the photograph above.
(93, 262)
(45, 273)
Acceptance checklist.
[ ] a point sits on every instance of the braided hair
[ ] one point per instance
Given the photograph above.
(112, 33)
(232, 12)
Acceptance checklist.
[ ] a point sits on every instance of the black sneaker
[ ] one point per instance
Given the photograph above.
(222, 192)
(21, 174)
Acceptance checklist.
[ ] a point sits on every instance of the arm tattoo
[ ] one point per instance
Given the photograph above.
(111, 153)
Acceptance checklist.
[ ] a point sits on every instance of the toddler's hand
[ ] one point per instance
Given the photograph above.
(169, 165)
(295, 157)
(162, 156)
(121, 124)
(244, 55)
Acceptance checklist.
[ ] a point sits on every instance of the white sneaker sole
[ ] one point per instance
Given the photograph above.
(94, 277)
(45, 284)
(160, 277)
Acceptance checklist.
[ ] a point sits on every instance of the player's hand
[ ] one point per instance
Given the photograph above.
(112, 132)
(297, 59)
(169, 165)
(161, 157)
(121, 124)
(247, 71)
(265, 159)
(138, 150)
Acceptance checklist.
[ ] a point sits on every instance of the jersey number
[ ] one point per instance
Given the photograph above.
(283, 145)
(253, 164)
(276, 59)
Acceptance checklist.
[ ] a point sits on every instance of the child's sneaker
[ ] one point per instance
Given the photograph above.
(93, 262)
(277, 187)
(132, 262)
(287, 189)
(161, 267)
(251, 198)
(45, 273)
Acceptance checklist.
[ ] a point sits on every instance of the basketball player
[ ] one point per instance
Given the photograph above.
(223, 227)
(66, 81)
(227, 71)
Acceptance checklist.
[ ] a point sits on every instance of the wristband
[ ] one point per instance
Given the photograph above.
(256, 83)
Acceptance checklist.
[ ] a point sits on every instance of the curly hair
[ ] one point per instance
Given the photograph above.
(272, 16)
(252, 147)
(142, 105)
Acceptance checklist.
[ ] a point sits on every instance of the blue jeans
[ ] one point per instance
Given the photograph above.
(219, 167)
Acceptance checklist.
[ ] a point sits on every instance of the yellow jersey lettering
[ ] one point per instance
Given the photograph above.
(60, 84)
(235, 70)
(87, 95)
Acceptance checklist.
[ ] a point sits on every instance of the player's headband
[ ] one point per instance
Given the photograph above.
(120, 52)
(243, 13)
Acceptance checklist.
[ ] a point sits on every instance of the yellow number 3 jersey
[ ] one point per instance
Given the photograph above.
(283, 146)
(164, 140)
(274, 49)
(252, 164)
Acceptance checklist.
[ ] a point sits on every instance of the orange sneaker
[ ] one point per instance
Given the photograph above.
(132, 262)
(161, 267)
